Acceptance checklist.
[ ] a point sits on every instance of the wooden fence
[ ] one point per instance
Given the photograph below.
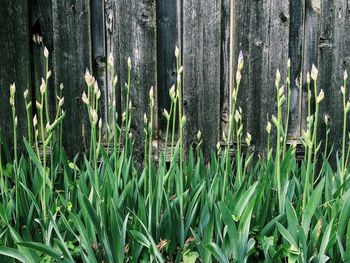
(81, 33)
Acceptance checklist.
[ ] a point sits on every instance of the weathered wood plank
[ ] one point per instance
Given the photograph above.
(99, 56)
(296, 40)
(333, 59)
(42, 36)
(71, 56)
(310, 50)
(201, 59)
(166, 41)
(262, 32)
(14, 65)
(136, 29)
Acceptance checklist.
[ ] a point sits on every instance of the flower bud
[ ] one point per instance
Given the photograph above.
(46, 52)
(308, 80)
(166, 115)
(288, 63)
(89, 78)
(326, 119)
(12, 89)
(320, 96)
(61, 86)
(35, 121)
(314, 72)
(347, 108)
(98, 95)
(248, 139)
(42, 87)
(278, 76)
(61, 102)
(16, 121)
(130, 135)
(38, 106)
(145, 120)
(181, 70)
(240, 60)
(199, 135)
(48, 74)
(268, 127)
(172, 93)
(345, 75)
(237, 116)
(85, 98)
(342, 90)
(100, 124)
(48, 127)
(129, 62)
(25, 94)
(94, 117)
(238, 76)
(177, 52)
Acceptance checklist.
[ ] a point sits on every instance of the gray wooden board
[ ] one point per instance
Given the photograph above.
(14, 64)
(201, 59)
(333, 59)
(137, 40)
(71, 56)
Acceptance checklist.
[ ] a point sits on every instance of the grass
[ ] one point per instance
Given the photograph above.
(104, 208)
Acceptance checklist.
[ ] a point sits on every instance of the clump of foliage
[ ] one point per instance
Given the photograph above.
(105, 209)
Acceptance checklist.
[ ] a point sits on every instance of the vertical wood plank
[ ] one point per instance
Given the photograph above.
(99, 60)
(333, 59)
(296, 40)
(201, 59)
(71, 56)
(166, 64)
(310, 49)
(262, 32)
(136, 24)
(41, 26)
(14, 65)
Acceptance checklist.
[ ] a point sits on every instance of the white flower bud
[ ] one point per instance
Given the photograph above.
(238, 76)
(100, 124)
(61, 102)
(166, 115)
(199, 135)
(85, 98)
(314, 72)
(237, 116)
(326, 119)
(12, 89)
(278, 76)
(177, 52)
(181, 70)
(129, 62)
(46, 52)
(145, 120)
(16, 121)
(94, 117)
(39, 106)
(308, 80)
(342, 90)
(98, 95)
(288, 63)
(240, 60)
(42, 87)
(320, 96)
(61, 86)
(48, 74)
(25, 94)
(35, 121)
(89, 78)
(345, 75)
(268, 127)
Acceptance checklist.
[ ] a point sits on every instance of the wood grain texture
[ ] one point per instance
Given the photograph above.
(201, 60)
(99, 56)
(41, 25)
(136, 29)
(14, 65)
(71, 56)
(333, 59)
(262, 32)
